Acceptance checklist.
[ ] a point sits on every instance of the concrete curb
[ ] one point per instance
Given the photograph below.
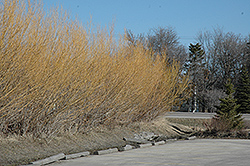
(62, 156)
(49, 159)
(77, 155)
(191, 138)
(159, 143)
(108, 151)
(145, 145)
(171, 140)
(126, 148)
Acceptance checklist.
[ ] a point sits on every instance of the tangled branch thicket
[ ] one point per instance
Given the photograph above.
(57, 75)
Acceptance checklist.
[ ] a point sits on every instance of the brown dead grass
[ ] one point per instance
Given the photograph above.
(16, 150)
(195, 124)
(200, 124)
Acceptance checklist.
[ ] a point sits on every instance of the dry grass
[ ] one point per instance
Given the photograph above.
(246, 124)
(203, 124)
(57, 75)
(196, 124)
(17, 150)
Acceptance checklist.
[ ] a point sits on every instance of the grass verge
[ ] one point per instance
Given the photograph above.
(17, 150)
(205, 128)
(195, 124)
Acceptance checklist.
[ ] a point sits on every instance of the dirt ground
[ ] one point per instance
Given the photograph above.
(16, 150)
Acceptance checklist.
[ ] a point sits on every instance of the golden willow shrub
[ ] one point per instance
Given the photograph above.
(57, 75)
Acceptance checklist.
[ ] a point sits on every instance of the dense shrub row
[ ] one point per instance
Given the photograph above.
(57, 75)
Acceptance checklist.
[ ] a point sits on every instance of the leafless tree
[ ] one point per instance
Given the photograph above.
(225, 54)
(162, 41)
(165, 42)
(247, 52)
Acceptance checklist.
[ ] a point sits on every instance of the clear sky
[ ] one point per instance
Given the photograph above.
(187, 17)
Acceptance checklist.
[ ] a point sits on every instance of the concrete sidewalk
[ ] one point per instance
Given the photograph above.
(223, 152)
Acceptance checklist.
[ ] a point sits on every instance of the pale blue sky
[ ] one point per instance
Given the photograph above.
(187, 17)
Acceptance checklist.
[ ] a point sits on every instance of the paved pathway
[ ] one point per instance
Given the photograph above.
(200, 152)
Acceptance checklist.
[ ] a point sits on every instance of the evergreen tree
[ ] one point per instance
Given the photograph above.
(248, 58)
(195, 61)
(243, 92)
(195, 67)
(227, 110)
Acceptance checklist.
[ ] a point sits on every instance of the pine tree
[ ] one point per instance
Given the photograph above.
(243, 92)
(248, 58)
(227, 110)
(194, 67)
(195, 61)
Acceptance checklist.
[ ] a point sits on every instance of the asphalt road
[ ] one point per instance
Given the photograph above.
(197, 115)
(200, 152)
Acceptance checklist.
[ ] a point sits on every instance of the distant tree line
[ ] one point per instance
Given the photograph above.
(215, 58)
